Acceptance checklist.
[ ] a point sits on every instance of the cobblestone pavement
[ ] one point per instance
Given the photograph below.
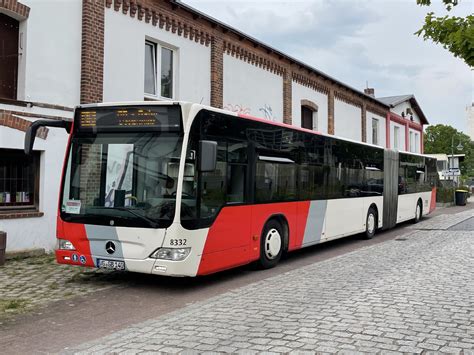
(411, 294)
(27, 284)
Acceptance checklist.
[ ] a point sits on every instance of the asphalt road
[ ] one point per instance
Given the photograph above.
(140, 297)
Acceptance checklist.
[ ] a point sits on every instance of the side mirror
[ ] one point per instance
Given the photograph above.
(31, 131)
(207, 157)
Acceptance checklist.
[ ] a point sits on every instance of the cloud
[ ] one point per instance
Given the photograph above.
(302, 22)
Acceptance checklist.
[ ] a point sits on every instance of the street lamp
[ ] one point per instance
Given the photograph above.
(459, 147)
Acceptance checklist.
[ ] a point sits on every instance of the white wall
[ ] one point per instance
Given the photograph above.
(251, 90)
(37, 232)
(300, 92)
(347, 120)
(50, 61)
(402, 108)
(382, 129)
(401, 137)
(124, 63)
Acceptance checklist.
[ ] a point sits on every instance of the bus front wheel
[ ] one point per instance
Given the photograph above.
(271, 245)
(371, 223)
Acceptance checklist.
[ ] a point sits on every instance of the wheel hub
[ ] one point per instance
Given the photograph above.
(370, 223)
(272, 244)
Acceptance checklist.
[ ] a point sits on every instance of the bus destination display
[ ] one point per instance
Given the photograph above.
(158, 117)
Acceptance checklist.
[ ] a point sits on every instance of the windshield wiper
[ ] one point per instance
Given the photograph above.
(151, 222)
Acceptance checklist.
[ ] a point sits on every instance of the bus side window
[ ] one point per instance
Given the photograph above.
(213, 185)
(236, 183)
(236, 170)
(275, 182)
(264, 180)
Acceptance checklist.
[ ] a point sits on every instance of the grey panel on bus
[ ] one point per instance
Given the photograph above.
(98, 237)
(390, 189)
(315, 222)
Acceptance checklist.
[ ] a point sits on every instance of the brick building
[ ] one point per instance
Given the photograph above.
(57, 55)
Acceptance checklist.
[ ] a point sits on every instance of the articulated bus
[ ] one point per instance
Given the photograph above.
(181, 189)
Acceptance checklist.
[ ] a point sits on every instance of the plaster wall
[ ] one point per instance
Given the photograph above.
(124, 61)
(300, 92)
(402, 107)
(347, 120)
(251, 90)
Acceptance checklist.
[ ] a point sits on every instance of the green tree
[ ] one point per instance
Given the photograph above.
(455, 34)
(438, 140)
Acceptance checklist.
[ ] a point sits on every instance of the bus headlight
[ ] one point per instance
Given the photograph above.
(174, 254)
(64, 244)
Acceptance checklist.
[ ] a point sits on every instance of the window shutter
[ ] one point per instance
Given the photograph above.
(9, 29)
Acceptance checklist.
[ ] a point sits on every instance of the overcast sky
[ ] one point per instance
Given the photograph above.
(359, 41)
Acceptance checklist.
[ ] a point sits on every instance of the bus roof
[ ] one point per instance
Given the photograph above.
(197, 107)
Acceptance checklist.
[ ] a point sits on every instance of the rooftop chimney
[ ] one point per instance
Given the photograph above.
(370, 92)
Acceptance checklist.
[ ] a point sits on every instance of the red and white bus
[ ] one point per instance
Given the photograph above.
(181, 189)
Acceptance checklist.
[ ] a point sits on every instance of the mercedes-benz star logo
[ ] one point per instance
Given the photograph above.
(110, 247)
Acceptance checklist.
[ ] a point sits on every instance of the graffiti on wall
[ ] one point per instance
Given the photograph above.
(267, 112)
(240, 109)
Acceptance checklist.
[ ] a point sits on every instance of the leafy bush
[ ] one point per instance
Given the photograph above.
(444, 194)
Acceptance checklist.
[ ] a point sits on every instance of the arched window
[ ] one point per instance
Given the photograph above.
(9, 29)
(309, 115)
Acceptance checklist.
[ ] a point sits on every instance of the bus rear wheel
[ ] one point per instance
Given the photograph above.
(370, 223)
(271, 245)
(418, 212)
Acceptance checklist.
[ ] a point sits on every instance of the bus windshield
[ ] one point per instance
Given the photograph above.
(127, 179)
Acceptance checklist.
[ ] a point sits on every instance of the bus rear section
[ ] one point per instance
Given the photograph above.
(417, 181)
(276, 188)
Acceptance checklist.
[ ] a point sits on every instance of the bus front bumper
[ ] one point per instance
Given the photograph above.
(186, 267)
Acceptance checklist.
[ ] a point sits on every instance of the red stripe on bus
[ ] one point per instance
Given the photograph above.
(234, 237)
(76, 234)
(433, 199)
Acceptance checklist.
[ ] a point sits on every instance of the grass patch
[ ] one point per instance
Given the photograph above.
(13, 306)
(41, 260)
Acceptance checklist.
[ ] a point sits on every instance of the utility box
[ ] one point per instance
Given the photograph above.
(3, 246)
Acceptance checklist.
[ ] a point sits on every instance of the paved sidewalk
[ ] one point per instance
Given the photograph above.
(443, 221)
(411, 294)
(27, 284)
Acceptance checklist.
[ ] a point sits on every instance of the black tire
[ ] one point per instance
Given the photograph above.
(270, 249)
(418, 212)
(371, 227)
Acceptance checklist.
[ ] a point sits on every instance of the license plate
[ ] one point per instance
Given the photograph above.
(110, 264)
